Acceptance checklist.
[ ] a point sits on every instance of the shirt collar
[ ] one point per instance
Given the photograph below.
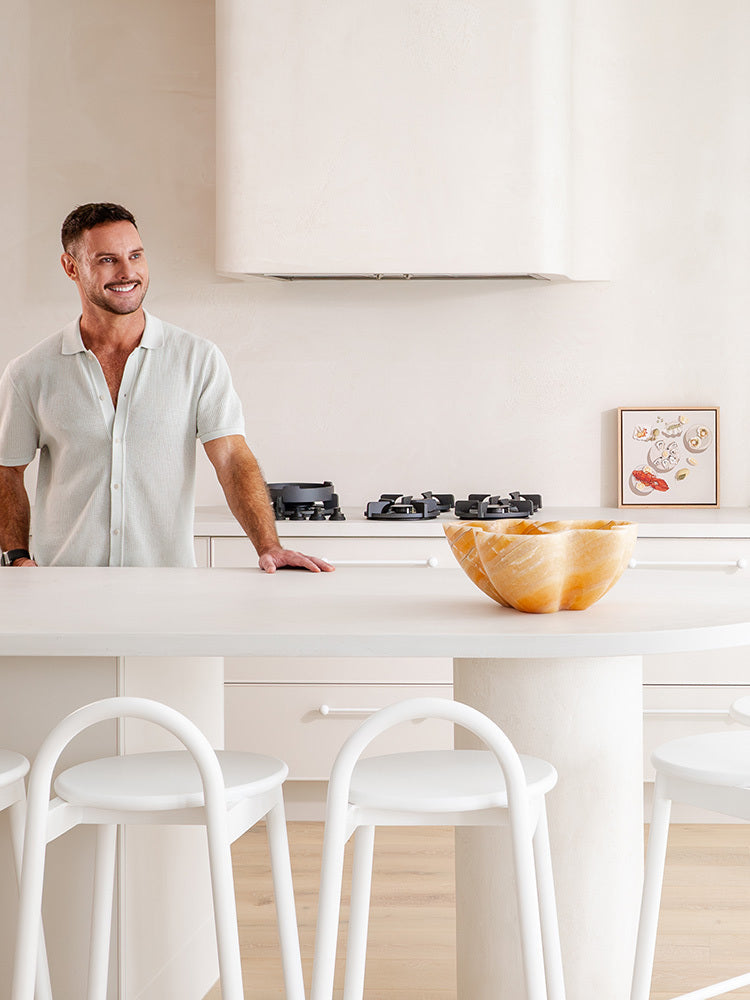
(153, 335)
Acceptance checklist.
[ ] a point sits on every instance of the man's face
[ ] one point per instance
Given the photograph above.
(109, 266)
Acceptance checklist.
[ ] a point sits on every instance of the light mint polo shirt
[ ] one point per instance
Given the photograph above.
(116, 487)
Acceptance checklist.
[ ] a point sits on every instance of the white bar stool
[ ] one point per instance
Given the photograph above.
(225, 792)
(711, 771)
(430, 788)
(13, 770)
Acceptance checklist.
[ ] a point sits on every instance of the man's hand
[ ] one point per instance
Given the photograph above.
(278, 558)
(24, 562)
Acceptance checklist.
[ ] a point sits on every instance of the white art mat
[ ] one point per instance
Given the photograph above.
(669, 457)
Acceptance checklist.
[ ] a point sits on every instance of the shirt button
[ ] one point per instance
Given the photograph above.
(117, 440)
(115, 531)
(100, 396)
(116, 486)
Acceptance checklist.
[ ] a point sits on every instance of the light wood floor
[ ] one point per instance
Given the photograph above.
(704, 931)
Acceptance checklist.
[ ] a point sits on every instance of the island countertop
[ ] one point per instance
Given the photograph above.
(356, 611)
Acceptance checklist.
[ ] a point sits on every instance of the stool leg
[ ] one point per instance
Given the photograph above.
(652, 883)
(359, 913)
(225, 907)
(528, 905)
(101, 910)
(286, 913)
(329, 903)
(30, 905)
(17, 821)
(548, 908)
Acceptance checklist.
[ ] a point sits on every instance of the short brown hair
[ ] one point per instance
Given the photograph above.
(87, 216)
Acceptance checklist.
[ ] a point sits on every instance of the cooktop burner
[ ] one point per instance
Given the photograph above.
(394, 507)
(483, 507)
(305, 502)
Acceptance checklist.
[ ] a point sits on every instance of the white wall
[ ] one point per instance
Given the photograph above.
(458, 386)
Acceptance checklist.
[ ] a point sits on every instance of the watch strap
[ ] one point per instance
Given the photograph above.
(10, 557)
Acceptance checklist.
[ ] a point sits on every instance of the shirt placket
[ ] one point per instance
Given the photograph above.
(116, 418)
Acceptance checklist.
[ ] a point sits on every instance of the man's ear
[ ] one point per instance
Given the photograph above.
(69, 265)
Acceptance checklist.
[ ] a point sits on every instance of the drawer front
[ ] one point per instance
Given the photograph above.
(694, 554)
(237, 552)
(339, 669)
(286, 721)
(673, 711)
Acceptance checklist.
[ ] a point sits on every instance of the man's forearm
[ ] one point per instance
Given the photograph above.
(247, 496)
(15, 510)
(248, 499)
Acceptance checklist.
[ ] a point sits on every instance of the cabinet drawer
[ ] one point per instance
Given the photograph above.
(237, 552)
(285, 720)
(339, 669)
(674, 711)
(712, 554)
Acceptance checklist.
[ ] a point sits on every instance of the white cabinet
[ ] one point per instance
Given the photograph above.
(430, 552)
(689, 693)
(303, 709)
(202, 547)
(703, 559)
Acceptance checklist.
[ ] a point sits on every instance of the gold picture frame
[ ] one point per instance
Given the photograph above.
(668, 456)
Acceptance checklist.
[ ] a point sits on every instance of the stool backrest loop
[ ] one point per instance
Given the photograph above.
(413, 709)
(194, 741)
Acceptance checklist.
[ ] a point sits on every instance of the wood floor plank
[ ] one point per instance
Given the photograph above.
(704, 927)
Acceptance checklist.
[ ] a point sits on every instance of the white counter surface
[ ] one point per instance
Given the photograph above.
(559, 684)
(727, 522)
(405, 611)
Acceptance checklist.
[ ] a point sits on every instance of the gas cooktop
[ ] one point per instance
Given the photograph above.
(305, 502)
(395, 507)
(319, 502)
(478, 506)
(484, 507)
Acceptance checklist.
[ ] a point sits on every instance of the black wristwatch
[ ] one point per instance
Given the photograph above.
(10, 557)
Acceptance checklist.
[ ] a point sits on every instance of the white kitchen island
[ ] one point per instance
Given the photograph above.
(565, 686)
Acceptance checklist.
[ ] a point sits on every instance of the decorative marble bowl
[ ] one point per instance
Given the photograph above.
(543, 567)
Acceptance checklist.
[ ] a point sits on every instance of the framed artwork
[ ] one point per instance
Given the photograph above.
(668, 457)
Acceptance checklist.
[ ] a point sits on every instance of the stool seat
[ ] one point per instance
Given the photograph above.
(709, 758)
(441, 781)
(12, 767)
(164, 780)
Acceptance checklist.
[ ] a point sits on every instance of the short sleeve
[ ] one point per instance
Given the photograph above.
(19, 433)
(219, 411)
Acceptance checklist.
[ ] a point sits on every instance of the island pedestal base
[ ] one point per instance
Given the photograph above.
(585, 717)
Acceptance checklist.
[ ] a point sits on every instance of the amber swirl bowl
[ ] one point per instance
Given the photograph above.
(543, 567)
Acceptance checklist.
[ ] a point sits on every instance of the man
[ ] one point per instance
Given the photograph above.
(114, 404)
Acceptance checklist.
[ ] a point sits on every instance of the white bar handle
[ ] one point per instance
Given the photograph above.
(432, 562)
(687, 564)
(713, 713)
(327, 710)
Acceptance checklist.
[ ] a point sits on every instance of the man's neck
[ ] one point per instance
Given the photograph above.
(102, 331)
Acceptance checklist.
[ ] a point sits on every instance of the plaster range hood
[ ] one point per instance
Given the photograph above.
(402, 139)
